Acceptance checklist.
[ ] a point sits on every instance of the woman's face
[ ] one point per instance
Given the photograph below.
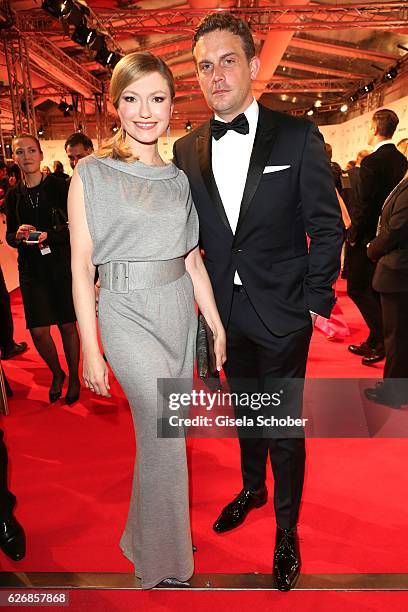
(27, 155)
(145, 108)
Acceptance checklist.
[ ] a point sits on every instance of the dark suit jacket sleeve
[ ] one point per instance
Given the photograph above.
(394, 231)
(369, 176)
(175, 161)
(322, 219)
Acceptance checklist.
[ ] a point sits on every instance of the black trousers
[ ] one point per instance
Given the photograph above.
(6, 319)
(359, 288)
(7, 499)
(255, 359)
(395, 317)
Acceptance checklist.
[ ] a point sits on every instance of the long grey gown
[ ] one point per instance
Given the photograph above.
(137, 212)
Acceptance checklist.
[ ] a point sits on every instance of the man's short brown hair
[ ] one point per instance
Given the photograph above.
(386, 122)
(230, 23)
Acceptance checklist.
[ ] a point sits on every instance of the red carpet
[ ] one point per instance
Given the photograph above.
(71, 471)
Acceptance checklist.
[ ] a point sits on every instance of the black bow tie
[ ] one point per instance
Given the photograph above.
(219, 128)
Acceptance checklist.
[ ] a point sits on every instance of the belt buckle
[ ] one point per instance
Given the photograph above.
(119, 276)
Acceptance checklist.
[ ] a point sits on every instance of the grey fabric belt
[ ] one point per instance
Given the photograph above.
(124, 276)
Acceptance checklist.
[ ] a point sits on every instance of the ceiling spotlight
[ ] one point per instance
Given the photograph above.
(83, 35)
(318, 103)
(67, 113)
(53, 7)
(63, 106)
(354, 97)
(391, 74)
(41, 131)
(80, 128)
(74, 12)
(294, 99)
(310, 112)
(114, 128)
(284, 97)
(369, 87)
(106, 57)
(97, 43)
(344, 108)
(188, 127)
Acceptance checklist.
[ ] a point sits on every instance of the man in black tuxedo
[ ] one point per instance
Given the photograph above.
(379, 173)
(390, 250)
(261, 181)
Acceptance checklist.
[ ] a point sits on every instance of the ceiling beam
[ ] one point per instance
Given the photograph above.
(341, 50)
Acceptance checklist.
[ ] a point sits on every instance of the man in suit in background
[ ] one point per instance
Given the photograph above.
(379, 173)
(261, 181)
(390, 250)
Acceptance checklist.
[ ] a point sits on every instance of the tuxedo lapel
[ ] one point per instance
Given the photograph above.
(264, 138)
(203, 143)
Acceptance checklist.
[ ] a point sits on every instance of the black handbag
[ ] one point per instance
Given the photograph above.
(206, 361)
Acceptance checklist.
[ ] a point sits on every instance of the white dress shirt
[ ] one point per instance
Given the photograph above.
(230, 163)
(382, 143)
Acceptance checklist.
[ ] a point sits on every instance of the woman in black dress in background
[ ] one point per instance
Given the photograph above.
(39, 203)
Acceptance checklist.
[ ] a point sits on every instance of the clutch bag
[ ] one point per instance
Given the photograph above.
(206, 362)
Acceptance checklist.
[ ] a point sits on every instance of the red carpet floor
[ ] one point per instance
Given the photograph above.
(71, 470)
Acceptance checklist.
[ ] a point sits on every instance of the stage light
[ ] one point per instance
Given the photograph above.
(63, 106)
(310, 112)
(80, 128)
(74, 12)
(368, 88)
(344, 108)
(294, 99)
(188, 127)
(67, 113)
(41, 131)
(83, 35)
(391, 74)
(98, 43)
(53, 7)
(114, 128)
(354, 97)
(107, 58)
(318, 103)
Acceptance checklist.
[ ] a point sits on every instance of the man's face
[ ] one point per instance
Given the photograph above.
(76, 153)
(224, 73)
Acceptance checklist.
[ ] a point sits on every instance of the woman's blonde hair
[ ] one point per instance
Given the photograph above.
(129, 69)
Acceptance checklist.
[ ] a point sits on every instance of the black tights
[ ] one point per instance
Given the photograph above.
(46, 347)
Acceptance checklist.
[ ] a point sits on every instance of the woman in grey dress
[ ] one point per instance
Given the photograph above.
(132, 215)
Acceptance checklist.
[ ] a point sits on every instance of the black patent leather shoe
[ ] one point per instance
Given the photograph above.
(12, 539)
(173, 583)
(374, 356)
(17, 348)
(379, 395)
(286, 560)
(362, 349)
(235, 513)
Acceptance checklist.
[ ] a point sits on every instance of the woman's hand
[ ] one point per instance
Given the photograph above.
(42, 238)
(24, 231)
(96, 376)
(220, 347)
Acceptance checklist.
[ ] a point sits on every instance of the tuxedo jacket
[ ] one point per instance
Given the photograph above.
(379, 173)
(390, 247)
(283, 278)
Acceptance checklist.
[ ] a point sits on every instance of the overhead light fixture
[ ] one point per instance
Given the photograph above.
(40, 131)
(74, 12)
(318, 103)
(114, 128)
(99, 42)
(368, 88)
(83, 35)
(80, 128)
(310, 112)
(188, 127)
(344, 108)
(106, 57)
(284, 97)
(294, 99)
(391, 74)
(53, 7)
(354, 97)
(63, 106)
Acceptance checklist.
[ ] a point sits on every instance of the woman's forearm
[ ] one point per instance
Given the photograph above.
(203, 292)
(83, 292)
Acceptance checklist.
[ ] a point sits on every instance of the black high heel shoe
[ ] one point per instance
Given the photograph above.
(173, 583)
(55, 392)
(71, 398)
